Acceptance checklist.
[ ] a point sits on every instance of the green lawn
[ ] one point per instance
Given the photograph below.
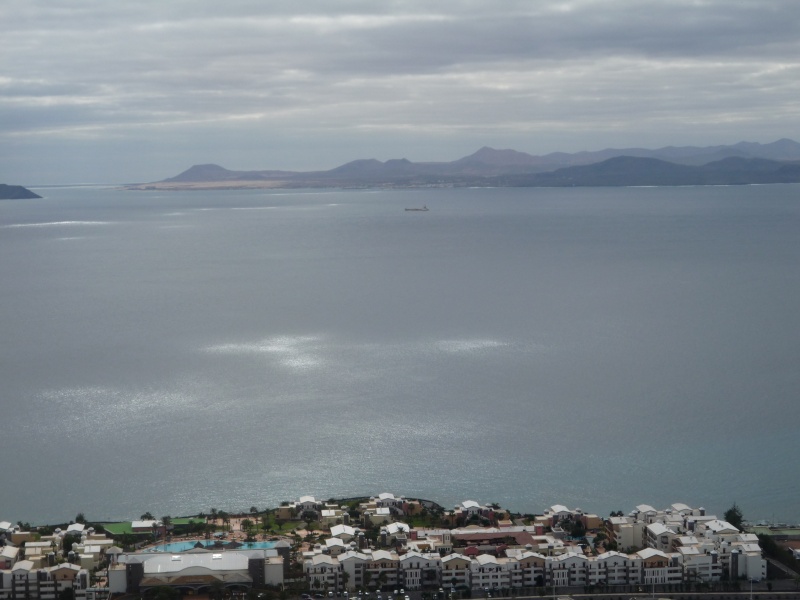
(125, 527)
(187, 520)
(117, 528)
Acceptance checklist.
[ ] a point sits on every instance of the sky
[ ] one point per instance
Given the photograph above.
(93, 91)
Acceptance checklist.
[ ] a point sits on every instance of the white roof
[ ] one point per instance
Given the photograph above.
(383, 511)
(393, 528)
(527, 554)
(645, 508)
(62, 567)
(486, 559)
(5, 525)
(338, 530)
(611, 554)
(335, 541)
(558, 508)
(659, 529)
(470, 504)
(324, 559)
(386, 496)
(452, 557)
(650, 552)
(570, 556)
(145, 524)
(76, 527)
(718, 526)
(9, 551)
(305, 499)
(172, 563)
(680, 507)
(353, 555)
(413, 555)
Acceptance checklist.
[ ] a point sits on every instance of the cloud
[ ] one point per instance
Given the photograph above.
(378, 74)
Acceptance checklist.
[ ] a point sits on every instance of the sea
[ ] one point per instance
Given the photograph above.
(600, 348)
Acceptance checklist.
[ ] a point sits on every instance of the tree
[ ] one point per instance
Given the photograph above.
(164, 592)
(577, 530)
(127, 540)
(167, 522)
(66, 594)
(217, 590)
(247, 525)
(148, 516)
(734, 516)
(67, 542)
(79, 518)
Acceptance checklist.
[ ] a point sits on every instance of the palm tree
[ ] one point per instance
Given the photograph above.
(247, 526)
(345, 579)
(167, 523)
(217, 589)
(226, 518)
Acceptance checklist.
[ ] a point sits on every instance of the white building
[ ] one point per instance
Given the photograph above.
(420, 569)
(24, 580)
(324, 573)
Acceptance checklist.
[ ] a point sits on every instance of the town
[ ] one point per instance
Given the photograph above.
(384, 544)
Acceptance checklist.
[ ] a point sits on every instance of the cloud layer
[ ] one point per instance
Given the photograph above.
(137, 90)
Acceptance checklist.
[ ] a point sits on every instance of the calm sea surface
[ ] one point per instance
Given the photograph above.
(599, 348)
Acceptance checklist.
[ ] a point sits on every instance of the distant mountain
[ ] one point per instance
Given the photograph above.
(16, 192)
(204, 173)
(635, 170)
(686, 165)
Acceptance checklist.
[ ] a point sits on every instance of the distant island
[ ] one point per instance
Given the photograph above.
(738, 164)
(16, 192)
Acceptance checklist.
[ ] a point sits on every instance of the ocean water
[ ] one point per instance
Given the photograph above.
(599, 348)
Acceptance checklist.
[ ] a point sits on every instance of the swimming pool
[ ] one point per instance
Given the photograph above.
(188, 545)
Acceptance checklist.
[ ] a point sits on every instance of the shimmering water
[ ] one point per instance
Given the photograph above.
(600, 348)
(184, 546)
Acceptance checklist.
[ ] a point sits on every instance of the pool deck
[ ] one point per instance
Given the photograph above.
(234, 534)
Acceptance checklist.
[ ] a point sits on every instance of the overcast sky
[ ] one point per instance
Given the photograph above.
(132, 91)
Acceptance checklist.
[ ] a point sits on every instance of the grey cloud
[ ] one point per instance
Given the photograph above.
(475, 71)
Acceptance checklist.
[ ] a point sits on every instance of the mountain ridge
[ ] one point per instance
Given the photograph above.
(490, 166)
(16, 192)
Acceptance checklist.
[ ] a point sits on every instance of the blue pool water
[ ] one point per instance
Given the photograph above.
(188, 545)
